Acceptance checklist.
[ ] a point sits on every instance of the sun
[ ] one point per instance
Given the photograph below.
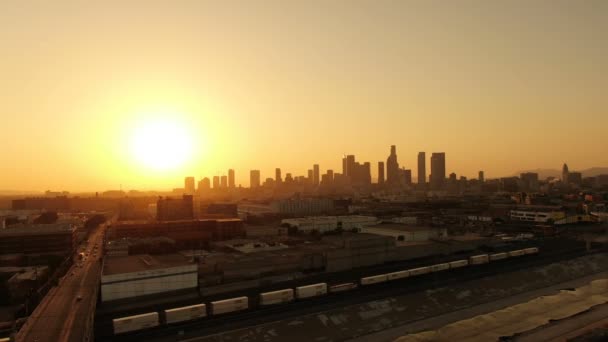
(161, 144)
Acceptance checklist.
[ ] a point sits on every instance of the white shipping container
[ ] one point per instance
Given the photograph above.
(229, 305)
(134, 323)
(440, 267)
(531, 250)
(479, 259)
(398, 275)
(517, 253)
(420, 271)
(186, 313)
(459, 263)
(311, 290)
(342, 287)
(374, 279)
(498, 256)
(276, 297)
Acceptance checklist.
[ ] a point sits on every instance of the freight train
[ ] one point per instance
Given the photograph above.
(231, 305)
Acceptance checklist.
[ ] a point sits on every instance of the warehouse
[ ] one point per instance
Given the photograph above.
(406, 233)
(141, 275)
(329, 223)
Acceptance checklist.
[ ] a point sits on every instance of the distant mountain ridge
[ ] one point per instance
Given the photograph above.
(545, 173)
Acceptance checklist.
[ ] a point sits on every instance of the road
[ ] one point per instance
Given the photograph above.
(66, 312)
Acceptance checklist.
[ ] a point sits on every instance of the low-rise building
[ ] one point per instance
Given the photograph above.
(329, 223)
(38, 239)
(407, 233)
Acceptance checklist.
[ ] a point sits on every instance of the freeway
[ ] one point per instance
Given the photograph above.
(66, 313)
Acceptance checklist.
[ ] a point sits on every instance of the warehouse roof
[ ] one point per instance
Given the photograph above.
(37, 229)
(144, 262)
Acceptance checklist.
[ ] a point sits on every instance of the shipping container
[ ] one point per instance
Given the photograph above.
(459, 263)
(479, 259)
(440, 267)
(374, 279)
(342, 287)
(531, 250)
(498, 256)
(276, 297)
(420, 271)
(186, 313)
(134, 323)
(398, 275)
(229, 305)
(517, 253)
(311, 290)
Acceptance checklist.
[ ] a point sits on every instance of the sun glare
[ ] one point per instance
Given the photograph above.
(161, 144)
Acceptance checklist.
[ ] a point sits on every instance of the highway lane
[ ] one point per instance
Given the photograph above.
(64, 312)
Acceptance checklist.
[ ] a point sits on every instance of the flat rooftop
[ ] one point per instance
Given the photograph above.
(137, 263)
(37, 229)
(401, 227)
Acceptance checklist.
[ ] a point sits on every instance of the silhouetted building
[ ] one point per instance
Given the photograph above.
(231, 182)
(42, 239)
(277, 175)
(189, 185)
(216, 182)
(380, 172)
(565, 174)
(509, 184)
(481, 177)
(350, 166)
(170, 209)
(575, 178)
(310, 176)
(421, 168)
(288, 178)
(219, 210)
(407, 176)
(316, 174)
(392, 167)
(204, 185)
(529, 181)
(437, 171)
(254, 178)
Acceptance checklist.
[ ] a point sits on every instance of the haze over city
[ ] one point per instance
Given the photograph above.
(95, 96)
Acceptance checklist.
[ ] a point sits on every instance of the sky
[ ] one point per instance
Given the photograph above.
(499, 86)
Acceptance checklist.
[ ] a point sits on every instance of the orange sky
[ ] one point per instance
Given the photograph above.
(497, 86)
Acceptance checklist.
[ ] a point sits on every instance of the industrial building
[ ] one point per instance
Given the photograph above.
(407, 233)
(303, 206)
(329, 223)
(186, 234)
(168, 209)
(141, 275)
(537, 214)
(40, 239)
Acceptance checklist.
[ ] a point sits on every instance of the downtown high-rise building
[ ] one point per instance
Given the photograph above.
(392, 167)
(189, 185)
(277, 175)
(350, 166)
(310, 176)
(254, 178)
(565, 173)
(380, 172)
(216, 182)
(316, 174)
(204, 185)
(231, 182)
(224, 181)
(481, 177)
(437, 171)
(422, 168)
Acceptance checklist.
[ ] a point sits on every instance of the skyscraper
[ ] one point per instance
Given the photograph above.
(565, 174)
(254, 178)
(231, 178)
(204, 185)
(422, 168)
(310, 176)
(216, 182)
(481, 177)
(316, 175)
(350, 166)
(380, 172)
(407, 176)
(392, 167)
(277, 175)
(189, 185)
(224, 181)
(437, 171)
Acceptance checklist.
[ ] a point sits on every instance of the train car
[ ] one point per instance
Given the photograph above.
(309, 291)
(342, 287)
(440, 267)
(276, 297)
(229, 305)
(420, 271)
(398, 275)
(479, 259)
(531, 250)
(186, 313)
(374, 279)
(458, 263)
(498, 256)
(517, 253)
(134, 323)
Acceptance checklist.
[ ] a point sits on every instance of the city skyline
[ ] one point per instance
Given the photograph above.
(89, 89)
